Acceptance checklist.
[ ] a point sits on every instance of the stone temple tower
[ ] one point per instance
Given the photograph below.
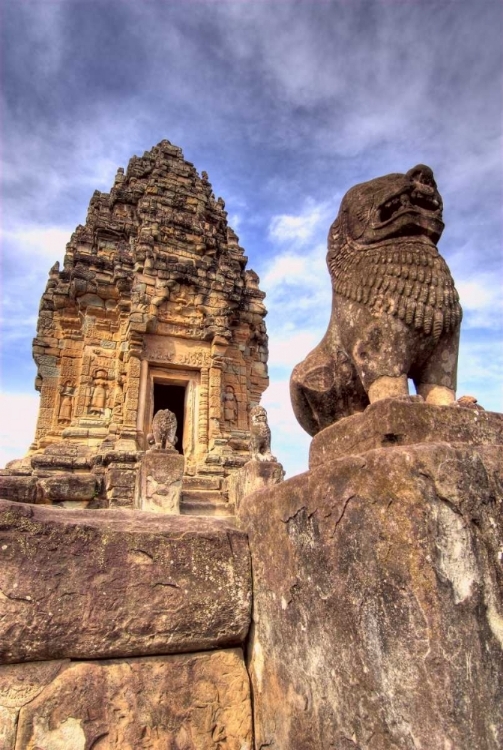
(153, 309)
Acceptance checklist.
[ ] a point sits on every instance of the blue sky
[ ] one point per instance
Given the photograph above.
(286, 105)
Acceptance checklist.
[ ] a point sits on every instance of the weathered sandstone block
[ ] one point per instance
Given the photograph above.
(21, 489)
(106, 583)
(253, 476)
(64, 487)
(190, 701)
(160, 481)
(19, 685)
(378, 614)
(392, 422)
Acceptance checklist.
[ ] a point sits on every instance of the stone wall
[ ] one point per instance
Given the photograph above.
(378, 587)
(122, 630)
(377, 618)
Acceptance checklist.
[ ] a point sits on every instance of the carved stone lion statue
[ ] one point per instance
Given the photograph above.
(164, 426)
(395, 311)
(260, 440)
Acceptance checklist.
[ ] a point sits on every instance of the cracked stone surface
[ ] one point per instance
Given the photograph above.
(197, 701)
(378, 616)
(100, 584)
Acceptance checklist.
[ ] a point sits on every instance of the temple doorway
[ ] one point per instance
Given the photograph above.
(172, 397)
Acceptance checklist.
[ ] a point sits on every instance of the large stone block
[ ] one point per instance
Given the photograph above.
(406, 421)
(197, 701)
(21, 489)
(378, 613)
(252, 477)
(160, 481)
(106, 583)
(67, 487)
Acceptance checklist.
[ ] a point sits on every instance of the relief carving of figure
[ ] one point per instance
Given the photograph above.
(230, 406)
(164, 426)
(99, 393)
(260, 440)
(119, 395)
(395, 310)
(66, 402)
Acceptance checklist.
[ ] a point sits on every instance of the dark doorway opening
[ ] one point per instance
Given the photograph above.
(172, 397)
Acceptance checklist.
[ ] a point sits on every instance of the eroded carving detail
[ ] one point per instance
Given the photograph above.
(395, 310)
(164, 427)
(230, 406)
(67, 392)
(260, 442)
(99, 391)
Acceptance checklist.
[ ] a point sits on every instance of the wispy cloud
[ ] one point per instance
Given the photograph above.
(479, 371)
(481, 301)
(290, 444)
(17, 428)
(299, 229)
(38, 242)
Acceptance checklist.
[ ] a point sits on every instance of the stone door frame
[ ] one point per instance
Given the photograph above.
(190, 379)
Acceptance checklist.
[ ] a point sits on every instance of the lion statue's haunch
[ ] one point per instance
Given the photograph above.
(164, 426)
(395, 311)
(260, 435)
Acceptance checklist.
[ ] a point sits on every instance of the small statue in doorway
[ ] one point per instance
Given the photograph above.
(164, 426)
(260, 440)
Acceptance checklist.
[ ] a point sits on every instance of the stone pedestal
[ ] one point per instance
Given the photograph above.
(405, 421)
(160, 481)
(253, 476)
(378, 612)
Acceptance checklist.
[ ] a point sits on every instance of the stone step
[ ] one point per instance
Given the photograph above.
(205, 503)
(206, 510)
(211, 469)
(201, 483)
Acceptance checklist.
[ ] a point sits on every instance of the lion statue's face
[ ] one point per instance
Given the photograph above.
(394, 206)
(258, 414)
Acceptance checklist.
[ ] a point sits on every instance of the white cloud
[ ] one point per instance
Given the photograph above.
(28, 252)
(290, 444)
(300, 275)
(36, 241)
(481, 301)
(301, 228)
(479, 372)
(297, 284)
(235, 221)
(17, 430)
(289, 347)
(296, 280)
